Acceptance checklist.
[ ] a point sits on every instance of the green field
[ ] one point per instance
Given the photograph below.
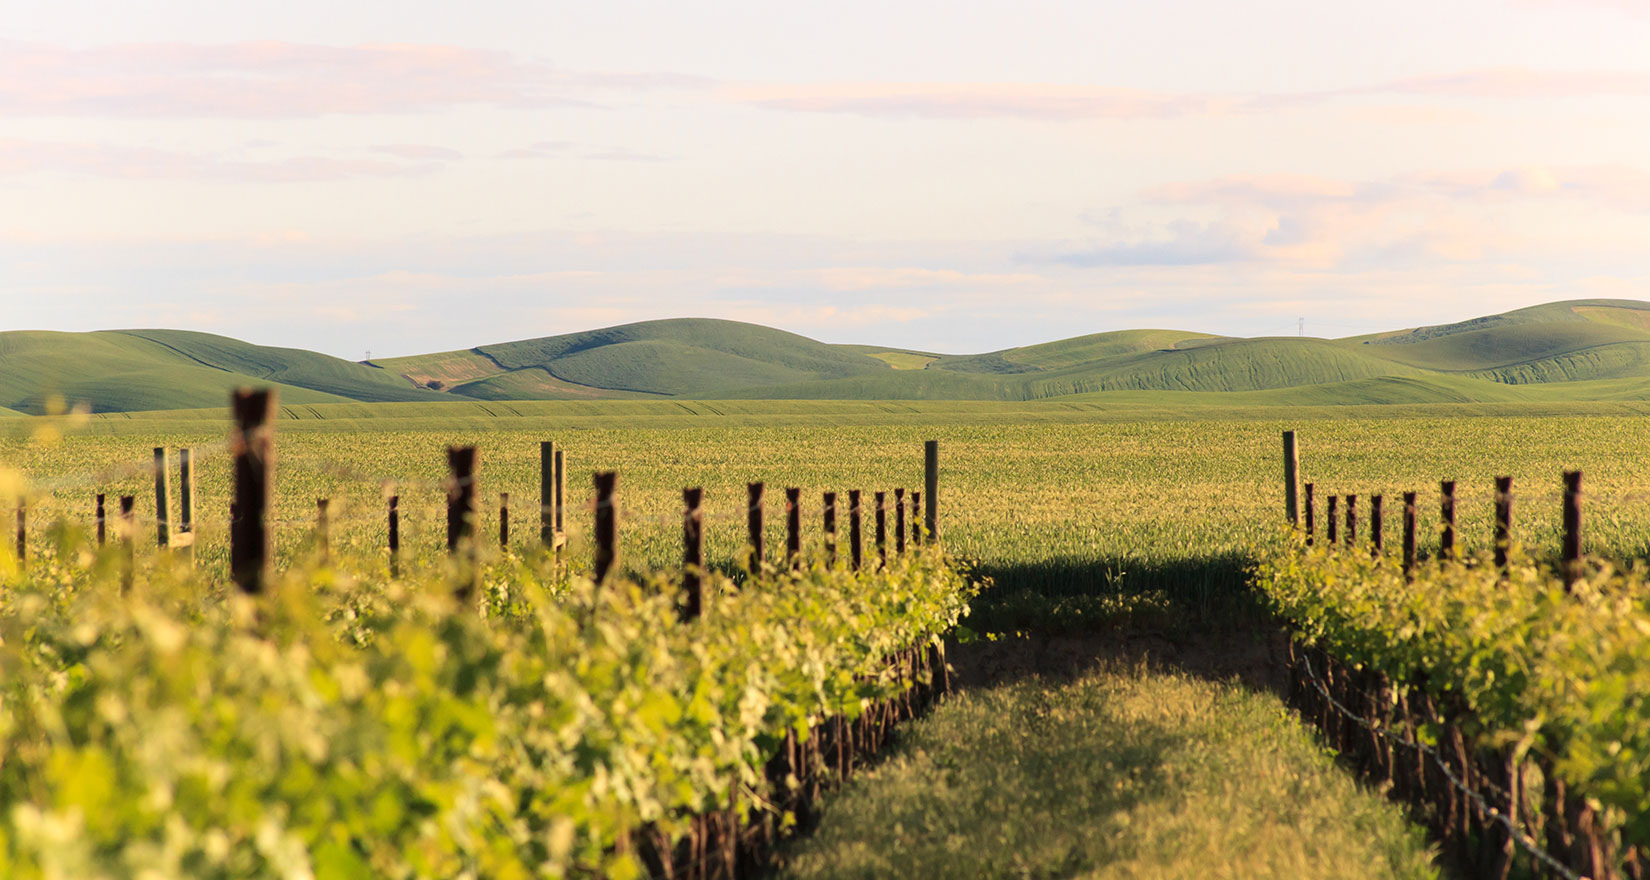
(1056, 501)
(1086, 517)
(1554, 353)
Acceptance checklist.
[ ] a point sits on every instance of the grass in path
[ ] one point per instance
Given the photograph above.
(1120, 772)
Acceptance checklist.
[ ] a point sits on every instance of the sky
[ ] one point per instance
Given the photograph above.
(401, 177)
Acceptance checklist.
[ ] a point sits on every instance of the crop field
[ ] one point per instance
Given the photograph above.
(1057, 513)
(1082, 521)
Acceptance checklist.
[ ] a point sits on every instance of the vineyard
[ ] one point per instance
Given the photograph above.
(353, 723)
(1506, 694)
(488, 713)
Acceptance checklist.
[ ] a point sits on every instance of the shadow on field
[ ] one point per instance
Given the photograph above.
(1058, 619)
(1067, 595)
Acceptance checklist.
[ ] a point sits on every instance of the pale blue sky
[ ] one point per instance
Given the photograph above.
(960, 176)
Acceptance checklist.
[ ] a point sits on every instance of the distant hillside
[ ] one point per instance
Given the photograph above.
(124, 370)
(1578, 350)
(685, 357)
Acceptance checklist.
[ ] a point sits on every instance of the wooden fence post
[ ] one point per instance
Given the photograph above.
(1291, 476)
(693, 552)
(561, 503)
(607, 524)
(829, 505)
(916, 519)
(461, 495)
(163, 505)
(899, 521)
(1351, 521)
(395, 536)
(547, 493)
(252, 443)
(322, 540)
(1332, 517)
(1446, 509)
(1311, 525)
(461, 516)
(793, 527)
(1503, 521)
(882, 527)
(126, 528)
(504, 520)
(186, 500)
(1572, 529)
(854, 547)
(754, 527)
(22, 531)
(1377, 526)
(102, 528)
(931, 490)
(1409, 533)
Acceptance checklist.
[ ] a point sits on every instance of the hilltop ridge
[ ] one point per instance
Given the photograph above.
(1579, 349)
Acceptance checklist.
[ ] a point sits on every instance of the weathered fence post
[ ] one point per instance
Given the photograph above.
(102, 529)
(1409, 533)
(163, 505)
(1332, 517)
(1311, 525)
(322, 539)
(854, 546)
(916, 519)
(607, 524)
(1377, 526)
(561, 504)
(899, 520)
(546, 494)
(793, 527)
(252, 443)
(1503, 521)
(882, 527)
(1446, 509)
(461, 516)
(395, 536)
(754, 527)
(829, 504)
(504, 520)
(931, 490)
(186, 500)
(127, 528)
(22, 531)
(1351, 521)
(1291, 476)
(693, 552)
(1572, 529)
(461, 495)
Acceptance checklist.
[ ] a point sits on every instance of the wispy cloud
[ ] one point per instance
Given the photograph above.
(146, 163)
(564, 149)
(1305, 220)
(1056, 102)
(974, 100)
(271, 79)
(417, 151)
(281, 79)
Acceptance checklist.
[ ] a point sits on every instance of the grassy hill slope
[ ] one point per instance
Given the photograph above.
(114, 371)
(289, 366)
(1579, 350)
(1558, 342)
(124, 370)
(680, 357)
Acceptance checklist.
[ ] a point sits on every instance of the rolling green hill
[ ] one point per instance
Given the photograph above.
(1578, 350)
(124, 370)
(684, 357)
